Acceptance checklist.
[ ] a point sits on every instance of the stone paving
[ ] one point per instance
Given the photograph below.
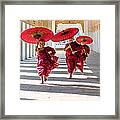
(83, 86)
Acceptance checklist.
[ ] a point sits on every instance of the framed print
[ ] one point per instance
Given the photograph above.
(60, 59)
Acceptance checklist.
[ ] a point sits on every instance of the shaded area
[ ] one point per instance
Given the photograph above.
(73, 85)
(28, 63)
(93, 61)
(90, 80)
(58, 72)
(60, 89)
(26, 99)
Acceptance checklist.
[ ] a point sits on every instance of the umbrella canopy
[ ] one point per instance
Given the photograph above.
(31, 35)
(65, 34)
(84, 39)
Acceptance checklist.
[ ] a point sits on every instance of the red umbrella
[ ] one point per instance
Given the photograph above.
(84, 39)
(31, 35)
(65, 34)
